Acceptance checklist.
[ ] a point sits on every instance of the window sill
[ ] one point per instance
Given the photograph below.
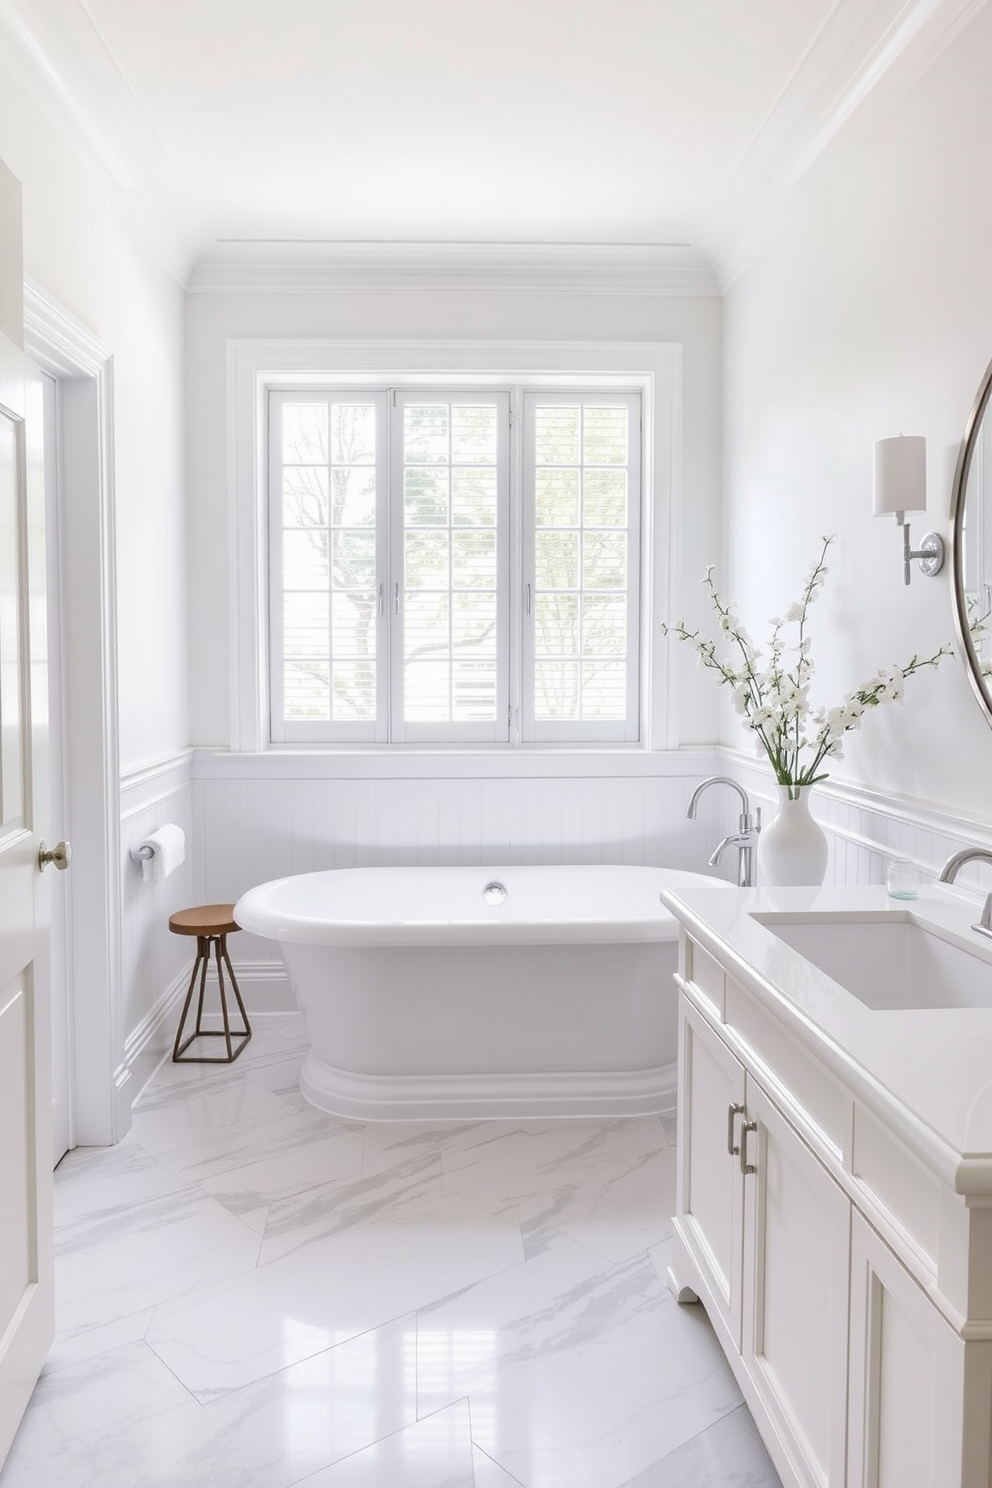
(410, 763)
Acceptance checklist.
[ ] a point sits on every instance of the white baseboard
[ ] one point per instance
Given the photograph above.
(150, 1043)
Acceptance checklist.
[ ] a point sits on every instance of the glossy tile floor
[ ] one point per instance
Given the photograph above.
(255, 1295)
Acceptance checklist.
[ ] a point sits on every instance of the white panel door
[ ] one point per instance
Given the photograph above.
(710, 1181)
(797, 1238)
(907, 1382)
(26, 1282)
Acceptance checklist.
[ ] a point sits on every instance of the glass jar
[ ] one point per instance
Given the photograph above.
(900, 879)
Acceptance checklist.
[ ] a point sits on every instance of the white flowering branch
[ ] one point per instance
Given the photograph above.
(774, 699)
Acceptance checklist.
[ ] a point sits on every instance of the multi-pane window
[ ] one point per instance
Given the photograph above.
(450, 455)
(327, 547)
(395, 611)
(582, 480)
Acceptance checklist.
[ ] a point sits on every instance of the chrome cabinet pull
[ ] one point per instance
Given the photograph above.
(382, 600)
(732, 1114)
(746, 1167)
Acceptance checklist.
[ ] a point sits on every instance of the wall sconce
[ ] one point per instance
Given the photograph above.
(901, 487)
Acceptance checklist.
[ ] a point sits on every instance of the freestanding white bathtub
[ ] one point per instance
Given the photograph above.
(480, 992)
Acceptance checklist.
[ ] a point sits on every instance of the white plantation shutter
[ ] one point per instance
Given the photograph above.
(581, 560)
(327, 550)
(450, 476)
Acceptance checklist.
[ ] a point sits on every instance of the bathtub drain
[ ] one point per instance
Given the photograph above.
(494, 893)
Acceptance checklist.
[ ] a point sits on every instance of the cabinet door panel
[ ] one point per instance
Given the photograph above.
(907, 1379)
(795, 1305)
(710, 1182)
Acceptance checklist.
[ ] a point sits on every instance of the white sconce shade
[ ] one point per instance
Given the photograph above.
(901, 487)
(900, 475)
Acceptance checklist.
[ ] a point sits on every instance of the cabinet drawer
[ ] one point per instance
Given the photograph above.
(806, 1092)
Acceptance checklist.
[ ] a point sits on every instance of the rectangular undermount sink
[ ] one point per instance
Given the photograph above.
(891, 963)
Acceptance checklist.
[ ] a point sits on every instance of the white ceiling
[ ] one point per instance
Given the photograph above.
(519, 120)
(526, 122)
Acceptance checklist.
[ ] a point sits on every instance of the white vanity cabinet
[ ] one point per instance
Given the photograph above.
(908, 1387)
(850, 1287)
(768, 1233)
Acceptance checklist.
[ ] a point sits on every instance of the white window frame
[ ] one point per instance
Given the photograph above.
(255, 367)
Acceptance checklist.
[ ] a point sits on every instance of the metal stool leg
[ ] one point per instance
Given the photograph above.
(199, 965)
(203, 944)
(222, 951)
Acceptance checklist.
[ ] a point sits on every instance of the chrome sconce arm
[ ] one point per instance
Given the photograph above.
(900, 486)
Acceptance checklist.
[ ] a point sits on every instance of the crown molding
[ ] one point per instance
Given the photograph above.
(857, 68)
(56, 51)
(55, 339)
(259, 267)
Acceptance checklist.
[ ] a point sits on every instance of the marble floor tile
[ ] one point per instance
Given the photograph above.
(523, 1164)
(280, 1073)
(74, 1348)
(201, 1155)
(353, 1281)
(435, 1452)
(252, 1294)
(124, 1421)
(489, 1474)
(372, 1197)
(99, 1184)
(389, 1142)
(617, 1218)
(579, 1375)
(729, 1454)
(294, 1166)
(608, 1184)
(236, 1103)
(109, 1265)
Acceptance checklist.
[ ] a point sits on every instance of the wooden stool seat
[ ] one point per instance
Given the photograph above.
(211, 924)
(205, 919)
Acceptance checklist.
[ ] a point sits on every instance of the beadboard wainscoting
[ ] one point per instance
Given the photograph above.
(258, 817)
(250, 818)
(155, 964)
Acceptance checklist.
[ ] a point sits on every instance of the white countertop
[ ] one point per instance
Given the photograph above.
(931, 1068)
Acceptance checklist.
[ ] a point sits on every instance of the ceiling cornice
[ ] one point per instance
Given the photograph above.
(546, 268)
(856, 70)
(70, 73)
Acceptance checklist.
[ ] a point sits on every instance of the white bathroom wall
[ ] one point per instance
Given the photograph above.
(869, 313)
(82, 249)
(80, 246)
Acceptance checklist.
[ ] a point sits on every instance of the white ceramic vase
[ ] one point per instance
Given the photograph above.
(792, 849)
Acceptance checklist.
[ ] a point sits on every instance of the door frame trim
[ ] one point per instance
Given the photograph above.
(64, 347)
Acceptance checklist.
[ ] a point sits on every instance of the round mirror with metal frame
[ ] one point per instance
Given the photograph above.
(971, 546)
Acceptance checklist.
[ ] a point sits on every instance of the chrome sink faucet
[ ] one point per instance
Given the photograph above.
(949, 873)
(745, 839)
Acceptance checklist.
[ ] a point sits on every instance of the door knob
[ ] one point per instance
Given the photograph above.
(60, 855)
